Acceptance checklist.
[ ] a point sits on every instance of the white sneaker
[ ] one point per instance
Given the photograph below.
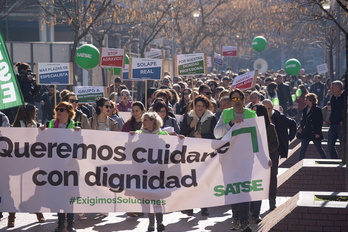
(82, 216)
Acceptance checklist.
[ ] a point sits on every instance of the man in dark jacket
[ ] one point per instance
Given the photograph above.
(48, 104)
(319, 89)
(284, 94)
(336, 117)
(286, 130)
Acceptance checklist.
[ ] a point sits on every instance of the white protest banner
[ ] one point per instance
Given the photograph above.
(62, 170)
(245, 81)
(322, 69)
(191, 64)
(145, 69)
(88, 94)
(111, 58)
(218, 59)
(54, 73)
(154, 54)
(229, 51)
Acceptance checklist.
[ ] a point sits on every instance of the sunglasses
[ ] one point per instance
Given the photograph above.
(107, 106)
(125, 95)
(73, 101)
(186, 93)
(207, 93)
(234, 99)
(61, 109)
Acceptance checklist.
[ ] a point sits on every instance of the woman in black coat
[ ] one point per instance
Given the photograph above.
(311, 126)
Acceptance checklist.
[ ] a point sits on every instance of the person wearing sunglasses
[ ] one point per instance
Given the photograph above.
(103, 121)
(125, 104)
(181, 106)
(63, 118)
(168, 122)
(81, 118)
(206, 91)
(229, 117)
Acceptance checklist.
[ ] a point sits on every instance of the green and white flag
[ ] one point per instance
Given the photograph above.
(10, 94)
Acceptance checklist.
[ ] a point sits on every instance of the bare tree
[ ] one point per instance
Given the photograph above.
(9, 6)
(77, 15)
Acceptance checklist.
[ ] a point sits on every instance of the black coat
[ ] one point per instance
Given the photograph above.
(312, 123)
(286, 130)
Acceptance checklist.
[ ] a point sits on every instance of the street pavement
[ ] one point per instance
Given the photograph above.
(219, 220)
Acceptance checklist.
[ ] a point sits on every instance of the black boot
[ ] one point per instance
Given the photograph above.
(60, 227)
(70, 227)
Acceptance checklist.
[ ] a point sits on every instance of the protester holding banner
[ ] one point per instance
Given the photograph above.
(64, 114)
(229, 117)
(125, 105)
(26, 117)
(103, 121)
(4, 122)
(273, 145)
(199, 122)
(311, 126)
(151, 124)
(134, 123)
(80, 119)
(168, 122)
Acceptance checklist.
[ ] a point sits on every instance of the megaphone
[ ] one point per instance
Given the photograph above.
(261, 65)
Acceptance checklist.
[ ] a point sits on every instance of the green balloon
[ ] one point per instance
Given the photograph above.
(298, 93)
(87, 56)
(293, 97)
(259, 43)
(275, 101)
(292, 67)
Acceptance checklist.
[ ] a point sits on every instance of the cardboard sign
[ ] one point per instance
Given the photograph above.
(54, 73)
(111, 58)
(191, 64)
(229, 51)
(154, 55)
(322, 69)
(88, 94)
(145, 69)
(218, 59)
(209, 62)
(245, 81)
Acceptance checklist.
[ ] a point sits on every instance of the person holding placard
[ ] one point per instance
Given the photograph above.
(229, 117)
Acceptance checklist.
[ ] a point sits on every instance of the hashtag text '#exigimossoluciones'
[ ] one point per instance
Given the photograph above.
(117, 200)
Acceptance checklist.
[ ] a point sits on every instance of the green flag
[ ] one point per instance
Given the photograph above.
(10, 94)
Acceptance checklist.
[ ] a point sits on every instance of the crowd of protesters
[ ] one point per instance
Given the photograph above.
(200, 106)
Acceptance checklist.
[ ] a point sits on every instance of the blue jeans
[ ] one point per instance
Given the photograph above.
(335, 132)
(317, 144)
